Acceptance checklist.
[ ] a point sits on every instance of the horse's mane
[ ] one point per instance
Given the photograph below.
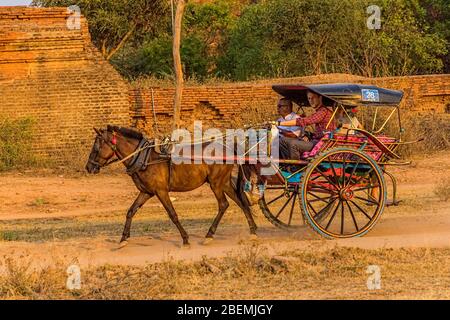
(126, 132)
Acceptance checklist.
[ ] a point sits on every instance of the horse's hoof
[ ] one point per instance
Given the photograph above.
(123, 244)
(207, 241)
(253, 237)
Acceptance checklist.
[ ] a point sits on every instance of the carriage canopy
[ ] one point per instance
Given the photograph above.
(347, 94)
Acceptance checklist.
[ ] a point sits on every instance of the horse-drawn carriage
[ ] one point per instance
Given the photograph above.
(340, 185)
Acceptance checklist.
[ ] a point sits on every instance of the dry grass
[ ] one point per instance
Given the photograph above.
(20, 281)
(168, 82)
(256, 113)
(442, 189)
(72, 159)
(250, 273)
(435, 130)
(15, 143)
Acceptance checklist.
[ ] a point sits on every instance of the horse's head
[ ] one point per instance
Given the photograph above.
(102, 150)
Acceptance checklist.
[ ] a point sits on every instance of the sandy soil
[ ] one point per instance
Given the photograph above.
(36, 202)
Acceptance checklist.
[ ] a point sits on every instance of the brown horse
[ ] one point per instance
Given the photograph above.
(161, 177)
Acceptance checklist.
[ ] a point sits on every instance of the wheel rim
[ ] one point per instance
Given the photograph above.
(281, 207)
(343, 193)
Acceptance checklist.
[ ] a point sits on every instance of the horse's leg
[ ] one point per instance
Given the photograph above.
(223, 205)
(231, 192)
(167, 203)
(139, 202)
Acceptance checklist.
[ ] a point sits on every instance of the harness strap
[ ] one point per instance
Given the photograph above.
(170, 171)
(105, 165)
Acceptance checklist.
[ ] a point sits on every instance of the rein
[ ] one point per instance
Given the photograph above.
(104, 165)
(113, 146)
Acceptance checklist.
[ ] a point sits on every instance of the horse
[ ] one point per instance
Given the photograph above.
(161, 177)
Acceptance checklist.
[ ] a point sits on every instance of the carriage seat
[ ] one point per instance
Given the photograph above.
(315, 150)
(332, 140)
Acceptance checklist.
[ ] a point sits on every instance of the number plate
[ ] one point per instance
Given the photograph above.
(369, 95)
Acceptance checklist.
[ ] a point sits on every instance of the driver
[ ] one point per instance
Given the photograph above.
(291, 148)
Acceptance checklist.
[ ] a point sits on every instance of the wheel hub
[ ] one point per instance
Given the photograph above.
(346, 194)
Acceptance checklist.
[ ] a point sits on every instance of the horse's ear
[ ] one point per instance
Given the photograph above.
(97, 131)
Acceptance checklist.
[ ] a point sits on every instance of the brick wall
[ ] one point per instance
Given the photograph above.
(231, 105)
(56, 76)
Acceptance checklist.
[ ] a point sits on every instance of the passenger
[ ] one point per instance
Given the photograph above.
(286, 114)
(346, 120)
(291, 148)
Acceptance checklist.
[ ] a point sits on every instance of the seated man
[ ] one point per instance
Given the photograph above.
(286, 114)
(291, 148)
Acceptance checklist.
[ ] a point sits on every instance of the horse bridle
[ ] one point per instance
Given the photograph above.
(119, 158)
(112, 145)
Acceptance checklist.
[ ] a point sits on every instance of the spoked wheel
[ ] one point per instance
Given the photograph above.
(343, 193)
(281, 206)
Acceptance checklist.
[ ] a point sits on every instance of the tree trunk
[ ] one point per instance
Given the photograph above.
(177, 63)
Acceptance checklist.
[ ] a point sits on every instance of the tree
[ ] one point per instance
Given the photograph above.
(180, 5)
(438, 15)
(282, 38)
(245, 39)
(204, 28)
(114, 23)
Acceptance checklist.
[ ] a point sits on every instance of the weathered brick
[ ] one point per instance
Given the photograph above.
(57, 76)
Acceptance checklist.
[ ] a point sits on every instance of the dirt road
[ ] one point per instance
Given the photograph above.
(48, 216)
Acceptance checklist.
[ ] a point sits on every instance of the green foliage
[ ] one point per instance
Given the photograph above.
(15, 143)
(207, 26)
(153, 57)
(204, 28)
(194, 52)
(112, 23)
(279, 38)
(8, 236)
(245, 51)
(438, 15)
(413, 50)
(245, 39)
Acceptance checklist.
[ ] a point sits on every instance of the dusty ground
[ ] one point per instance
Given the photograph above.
(76, 218)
